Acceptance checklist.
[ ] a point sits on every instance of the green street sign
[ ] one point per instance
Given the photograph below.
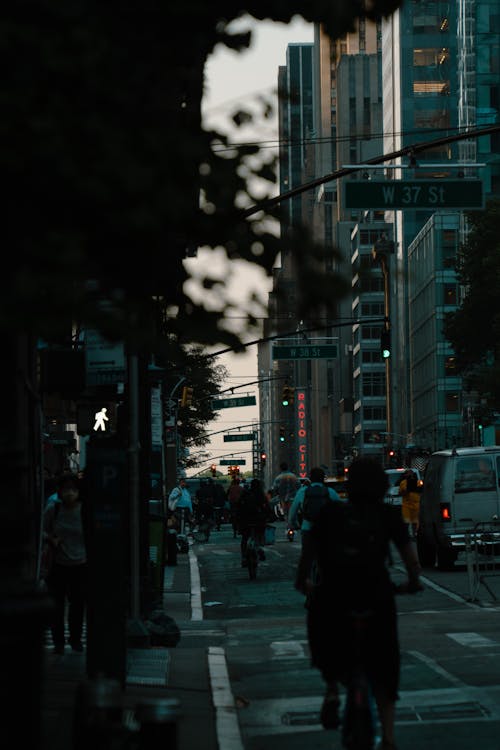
(305, 351)
(414, 194)
(225, 403)
(239, 436)
(233, 462)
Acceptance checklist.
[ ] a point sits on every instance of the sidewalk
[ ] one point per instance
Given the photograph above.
(154, 673)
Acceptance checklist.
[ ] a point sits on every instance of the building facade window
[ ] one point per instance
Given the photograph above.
(451, 402)
(450, 294)
(450, 366)
(373, 384)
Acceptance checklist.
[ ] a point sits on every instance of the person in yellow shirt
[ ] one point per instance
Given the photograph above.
(410, 500)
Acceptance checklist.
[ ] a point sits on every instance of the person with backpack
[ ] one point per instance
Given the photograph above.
(351, 545)
(304, 512)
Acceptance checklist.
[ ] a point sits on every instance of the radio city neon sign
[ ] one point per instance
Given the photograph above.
(301, 423)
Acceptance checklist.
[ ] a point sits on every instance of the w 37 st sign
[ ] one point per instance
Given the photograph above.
(414, 194)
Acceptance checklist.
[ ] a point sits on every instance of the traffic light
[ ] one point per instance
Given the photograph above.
(287, 396)
(213, 469)
(263, 457)
(385, 343)
(282, 434)
(187, 396)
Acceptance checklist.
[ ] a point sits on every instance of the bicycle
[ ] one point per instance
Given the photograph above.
(202, 526)
(359, 718)
(253, 552)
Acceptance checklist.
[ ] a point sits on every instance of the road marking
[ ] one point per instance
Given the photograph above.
(226, 718)
(196, 605)
(450, 594)
(437, 668)
(287, 650)
(472, 640)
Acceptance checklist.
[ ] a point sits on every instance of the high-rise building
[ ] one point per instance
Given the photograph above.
(441, 411)
(419, 79)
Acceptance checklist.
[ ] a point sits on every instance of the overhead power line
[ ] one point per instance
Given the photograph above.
(412, 150)
(320, 140)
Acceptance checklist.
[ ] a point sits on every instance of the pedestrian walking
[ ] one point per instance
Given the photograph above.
(410, 500)
(64, 528)
(180, 510)
(351, 542)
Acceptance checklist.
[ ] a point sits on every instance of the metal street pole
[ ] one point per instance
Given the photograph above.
(171, 447)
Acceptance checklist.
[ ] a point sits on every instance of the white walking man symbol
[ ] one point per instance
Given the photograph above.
(100, 417)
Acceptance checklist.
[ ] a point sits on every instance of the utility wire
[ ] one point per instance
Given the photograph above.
(283, 142)
(412, 150)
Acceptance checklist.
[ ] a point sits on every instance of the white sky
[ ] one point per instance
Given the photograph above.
(233, 77)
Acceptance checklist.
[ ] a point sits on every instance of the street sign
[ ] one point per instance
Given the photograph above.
(232, 462)
(225, 403)
(238, 436)
(305, 351)
(414, 194)
(104, 360)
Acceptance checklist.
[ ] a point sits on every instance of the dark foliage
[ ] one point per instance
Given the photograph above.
(104, 157)
(474, 329)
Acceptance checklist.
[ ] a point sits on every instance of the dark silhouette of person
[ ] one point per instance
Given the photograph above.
(351, 542)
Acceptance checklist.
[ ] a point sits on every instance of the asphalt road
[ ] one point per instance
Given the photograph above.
(450, 643)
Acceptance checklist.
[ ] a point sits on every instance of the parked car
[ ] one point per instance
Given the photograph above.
(395, 476)
(461, 490)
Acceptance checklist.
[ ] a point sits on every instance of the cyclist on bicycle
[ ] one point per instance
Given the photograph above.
(233, 495)
(298, 520)
(285, 486)
(252, 511)
(351, 542)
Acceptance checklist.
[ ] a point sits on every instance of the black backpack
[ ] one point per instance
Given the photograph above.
(314, 498)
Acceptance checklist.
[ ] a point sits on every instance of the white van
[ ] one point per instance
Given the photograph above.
(461, 489)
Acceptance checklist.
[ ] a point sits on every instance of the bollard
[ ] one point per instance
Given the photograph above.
(158, 723)
(98, 714)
